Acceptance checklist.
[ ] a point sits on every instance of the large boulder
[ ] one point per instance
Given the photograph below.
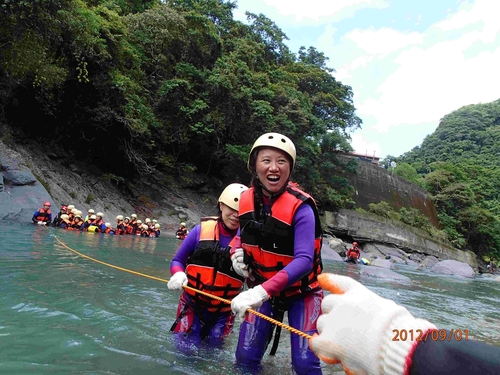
(336, 244)
(330, 254)
(382, 263)
(453, 267)
(382, 273)
(428, 262)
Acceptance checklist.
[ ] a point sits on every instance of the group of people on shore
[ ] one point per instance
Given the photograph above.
(71, 218)
(262, 251)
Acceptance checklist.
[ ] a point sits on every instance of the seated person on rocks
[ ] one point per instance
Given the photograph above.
(353, 254)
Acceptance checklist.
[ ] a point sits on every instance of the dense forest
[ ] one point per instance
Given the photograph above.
(137, 87)
(459, 164)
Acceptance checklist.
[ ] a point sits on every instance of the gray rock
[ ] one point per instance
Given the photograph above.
(21, 202)
(382, 263)
(382, 273)
(395, 259)
(19, 177)
(428, 262)
(411, 263)
(336, 245)
(330, 254)
(497, 278)
(453, 267)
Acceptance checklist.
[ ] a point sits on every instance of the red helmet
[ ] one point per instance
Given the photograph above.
(47, 204)
(354, 244)
(64, 207)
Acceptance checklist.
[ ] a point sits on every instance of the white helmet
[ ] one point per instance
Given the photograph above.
(145, 226)
(91, 211)
(139, 221)
(183, 224)
(154, 221)
(231, 195)
(134, 216)
(64, 217)
(99, 214)
(108, 225)
(148, 220)
(119, 218)
(275, 140)
(157, 226)
(70, 207)
(93, 217)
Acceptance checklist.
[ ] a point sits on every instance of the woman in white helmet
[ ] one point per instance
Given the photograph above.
(279, 243)
(203, 263)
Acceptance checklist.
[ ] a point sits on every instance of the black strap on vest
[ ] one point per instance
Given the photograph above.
(279, 307)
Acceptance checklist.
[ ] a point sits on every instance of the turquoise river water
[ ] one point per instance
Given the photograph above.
(61, 313)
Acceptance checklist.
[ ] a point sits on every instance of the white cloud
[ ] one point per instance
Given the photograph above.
(383, 41)
(434, 80)
(309, 9)
(364, 146)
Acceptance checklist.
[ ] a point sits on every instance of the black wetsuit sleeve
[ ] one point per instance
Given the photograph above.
(455, 357)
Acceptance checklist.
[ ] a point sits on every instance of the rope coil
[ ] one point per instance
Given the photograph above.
(260, 315)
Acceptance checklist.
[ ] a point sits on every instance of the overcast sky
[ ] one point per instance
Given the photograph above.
(409, 62)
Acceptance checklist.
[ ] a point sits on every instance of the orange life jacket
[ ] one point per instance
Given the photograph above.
(130, 228)
(209, 269)
(43, 215)
(269, 242)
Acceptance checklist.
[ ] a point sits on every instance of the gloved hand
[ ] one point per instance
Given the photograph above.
(251, 298)
(177, 281)
(239, 267)
(357, 328)
(41, 223)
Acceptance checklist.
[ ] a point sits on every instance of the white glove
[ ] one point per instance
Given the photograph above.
(177, 281)
(250, 299)
(41, 223)
(238, 266)
(358, 328)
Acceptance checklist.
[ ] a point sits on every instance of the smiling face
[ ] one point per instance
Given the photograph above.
(273, 168)
(229, 216)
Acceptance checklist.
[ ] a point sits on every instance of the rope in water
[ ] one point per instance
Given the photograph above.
(274, 321)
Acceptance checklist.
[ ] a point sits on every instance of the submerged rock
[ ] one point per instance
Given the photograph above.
(383, 273)
(453, 267)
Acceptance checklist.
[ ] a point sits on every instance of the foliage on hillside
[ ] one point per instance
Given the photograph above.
(135, 87)
(459, 164)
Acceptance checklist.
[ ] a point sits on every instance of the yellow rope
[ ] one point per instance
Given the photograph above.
(274, 321)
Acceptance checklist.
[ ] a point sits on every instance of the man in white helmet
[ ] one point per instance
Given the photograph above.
(280, 244)
(202, 262)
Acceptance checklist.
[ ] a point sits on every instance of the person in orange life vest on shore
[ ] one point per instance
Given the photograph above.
(369, 348)
(42, 215)
(353, 254)
(120, 228)
(202, 262)
(57, 219)
(182, 232)
(279, 244)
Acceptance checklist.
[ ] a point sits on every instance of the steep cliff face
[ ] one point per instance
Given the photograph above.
(374, 184)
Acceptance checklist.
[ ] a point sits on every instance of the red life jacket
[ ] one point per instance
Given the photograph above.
(269, 243)
(129, 228)
(43, 215)
(353, 253)
(209, 269)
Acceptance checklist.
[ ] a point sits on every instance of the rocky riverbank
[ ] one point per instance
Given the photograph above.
(29, 176)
